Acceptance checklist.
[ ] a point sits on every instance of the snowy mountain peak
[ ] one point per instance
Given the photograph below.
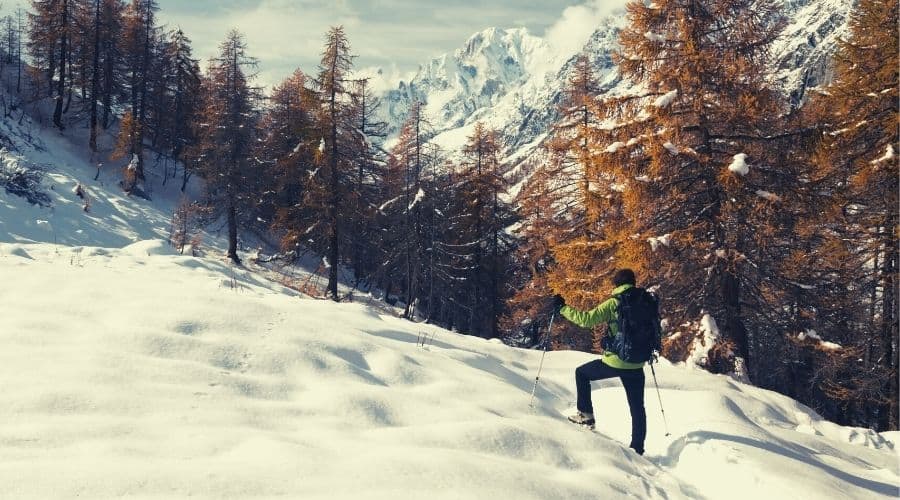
(497, 48)
(475, 76)
(513, 80)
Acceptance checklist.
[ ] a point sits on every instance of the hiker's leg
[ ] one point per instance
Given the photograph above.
(584, 374)
(634, 391)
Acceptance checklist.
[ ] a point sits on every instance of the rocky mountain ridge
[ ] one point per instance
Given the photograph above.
(513, 80)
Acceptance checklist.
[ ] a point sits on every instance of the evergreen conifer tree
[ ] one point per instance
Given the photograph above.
(851, 256)
(226, 131)
(553, 206)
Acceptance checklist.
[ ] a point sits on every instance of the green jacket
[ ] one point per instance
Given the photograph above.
(604, 313)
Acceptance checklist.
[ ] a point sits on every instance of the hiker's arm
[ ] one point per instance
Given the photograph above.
(604, 313)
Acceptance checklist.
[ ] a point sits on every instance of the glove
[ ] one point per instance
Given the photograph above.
(558, 302)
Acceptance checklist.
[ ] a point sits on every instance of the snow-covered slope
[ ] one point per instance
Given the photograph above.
(810, 37)
(513, 81)
(134, 372)
(113, 219)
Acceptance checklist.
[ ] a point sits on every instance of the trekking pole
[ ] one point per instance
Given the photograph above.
(660, 398)
(546, 343)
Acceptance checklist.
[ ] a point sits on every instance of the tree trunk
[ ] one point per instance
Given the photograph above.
(63, 50)
(108, 76)
(232, 233)
(19, 31)
(145, 66)
(889, 327)
(51, 70)
(333, 252)
(185, 178)
(95, 76)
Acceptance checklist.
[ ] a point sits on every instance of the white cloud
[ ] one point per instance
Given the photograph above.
(280, 33)
(384, 79)
(395, 36)
(578, 22)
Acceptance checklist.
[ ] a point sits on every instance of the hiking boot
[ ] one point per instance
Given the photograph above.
(581, 418)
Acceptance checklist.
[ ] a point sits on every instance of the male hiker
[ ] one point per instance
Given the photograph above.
(636, 311)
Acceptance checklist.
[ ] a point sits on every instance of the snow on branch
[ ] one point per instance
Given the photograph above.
(888, 155)
(388, 203)
(666, 99)
(656, 241)
(419, 197)
(768, 196)
(739, 164)
(824, 344)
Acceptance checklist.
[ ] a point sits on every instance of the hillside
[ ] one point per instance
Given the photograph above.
(132, 371)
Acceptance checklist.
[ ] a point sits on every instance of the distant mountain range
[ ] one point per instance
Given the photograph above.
(513, 80)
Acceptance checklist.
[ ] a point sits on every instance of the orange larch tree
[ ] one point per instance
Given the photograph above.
(692, 189)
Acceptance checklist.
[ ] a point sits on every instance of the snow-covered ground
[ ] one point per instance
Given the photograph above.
(137, 372)
(128, 370)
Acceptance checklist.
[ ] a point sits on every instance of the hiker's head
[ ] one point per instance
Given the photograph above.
(624, 277)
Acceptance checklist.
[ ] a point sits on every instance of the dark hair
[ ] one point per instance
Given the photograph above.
(624, 277)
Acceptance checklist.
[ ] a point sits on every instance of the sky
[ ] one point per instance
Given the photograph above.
(395, 36)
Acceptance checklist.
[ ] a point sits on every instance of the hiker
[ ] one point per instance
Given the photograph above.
(643, 339)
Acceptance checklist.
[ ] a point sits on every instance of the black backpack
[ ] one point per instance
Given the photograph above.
(640, 334)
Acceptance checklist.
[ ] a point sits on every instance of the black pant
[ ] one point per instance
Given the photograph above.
(633, 380)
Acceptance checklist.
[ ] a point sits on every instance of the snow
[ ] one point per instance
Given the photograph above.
(612, 148)
(666, 99)
(156, 376)
(812, 334)
(419, 197)
(114, 219)
(709, 333)
(767, 195)
(831, 346)
(809, 334)
(656, 241)
(388, 203)
(133, 164)
(802, 285)
(888, 155)
(812, 33)
(739, 164)
(671, 147)
(654, 37)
